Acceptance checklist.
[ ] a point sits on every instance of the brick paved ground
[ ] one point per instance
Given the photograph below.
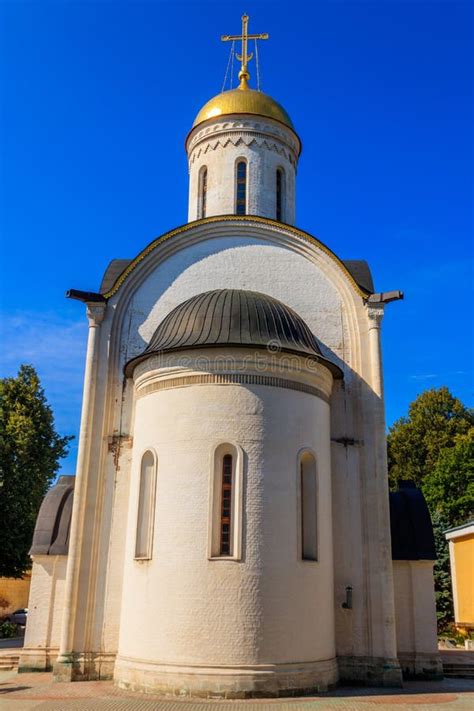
(22, 692)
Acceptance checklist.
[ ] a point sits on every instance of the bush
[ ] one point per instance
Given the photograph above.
(7, 630)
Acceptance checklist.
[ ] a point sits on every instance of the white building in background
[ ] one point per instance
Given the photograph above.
(228, 529)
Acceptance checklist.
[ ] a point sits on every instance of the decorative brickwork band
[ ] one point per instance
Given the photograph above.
(230, 379)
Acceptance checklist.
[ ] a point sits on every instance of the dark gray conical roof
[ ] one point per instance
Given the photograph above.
(232, 317)
(51, 536)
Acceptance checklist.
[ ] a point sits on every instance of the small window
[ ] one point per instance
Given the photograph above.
(280, 176)
(146, 497)
(309, 507)
(241, 189)
(202, 193)
(226, 503)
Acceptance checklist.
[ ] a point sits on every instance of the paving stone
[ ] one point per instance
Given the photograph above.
(38, 691)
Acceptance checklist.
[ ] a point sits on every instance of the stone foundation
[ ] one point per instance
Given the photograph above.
(37, 660)
(418, 665)
(265, 680)
(370, 671)
(86, 666)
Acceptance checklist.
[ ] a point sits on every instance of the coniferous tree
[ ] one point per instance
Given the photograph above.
(30, 450)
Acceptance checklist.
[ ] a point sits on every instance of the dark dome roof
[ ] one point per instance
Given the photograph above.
(410, 524)
(233, 317)
(51, 536)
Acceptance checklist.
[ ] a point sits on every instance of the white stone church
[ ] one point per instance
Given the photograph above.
(229, 530)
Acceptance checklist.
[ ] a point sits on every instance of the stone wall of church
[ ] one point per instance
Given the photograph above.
(264, 608)
(265, 145)
(247, 256)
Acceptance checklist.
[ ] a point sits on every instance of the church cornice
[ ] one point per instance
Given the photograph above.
(223, 132)
(237, 138)
(253, 123)
(240, 219)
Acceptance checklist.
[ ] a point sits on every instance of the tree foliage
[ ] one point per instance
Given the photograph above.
(442, 573)
(434, 420)
(30, 450)
(434, 446)
(449, 486)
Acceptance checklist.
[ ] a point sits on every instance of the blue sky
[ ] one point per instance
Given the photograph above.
(380, 93)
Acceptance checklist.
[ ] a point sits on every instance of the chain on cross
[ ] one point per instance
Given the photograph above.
(245, 57)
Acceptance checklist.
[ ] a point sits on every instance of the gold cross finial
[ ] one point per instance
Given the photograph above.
(245, 57)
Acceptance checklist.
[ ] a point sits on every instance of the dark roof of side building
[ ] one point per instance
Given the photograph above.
(233, 317)
(360, 270)
(51, 536)
(410, 524)
(112, 273)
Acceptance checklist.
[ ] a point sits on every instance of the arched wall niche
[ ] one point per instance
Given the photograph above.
(201, 242)
(309, 509)
(145, 508)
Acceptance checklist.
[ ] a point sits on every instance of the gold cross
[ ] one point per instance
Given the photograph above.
(245, 58)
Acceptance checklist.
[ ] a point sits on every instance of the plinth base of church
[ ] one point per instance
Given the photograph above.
(37, 660)
(370, 671)
(84, 666)
(265, 680)
(419, 665)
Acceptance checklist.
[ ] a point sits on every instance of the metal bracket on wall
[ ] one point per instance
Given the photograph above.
(346, 441)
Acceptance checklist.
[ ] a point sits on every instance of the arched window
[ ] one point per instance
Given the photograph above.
(309, 507)
(202, 193)
(280, 189)
(241, 188)
(226, 503)
(146, 507)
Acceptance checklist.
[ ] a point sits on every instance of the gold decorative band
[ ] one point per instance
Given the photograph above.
(230, 379)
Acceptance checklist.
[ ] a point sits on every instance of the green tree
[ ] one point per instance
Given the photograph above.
(449, 486)
(414, 442)
(442, 573)
(30, 450)
(449, 493)
(434, 446)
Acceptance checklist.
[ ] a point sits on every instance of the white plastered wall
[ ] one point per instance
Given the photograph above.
(416, 624)
(267, 608)
(45, 612)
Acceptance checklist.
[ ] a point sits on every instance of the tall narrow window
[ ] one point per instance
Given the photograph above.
(226, 505)
(279, 194)
(226, 501)
(241, 189)
(309, 519)
(202, 193)
(143, 544)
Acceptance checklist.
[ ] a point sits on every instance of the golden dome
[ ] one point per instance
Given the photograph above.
(243, 101)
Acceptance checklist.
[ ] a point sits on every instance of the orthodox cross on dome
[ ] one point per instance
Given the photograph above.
(245, 57)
